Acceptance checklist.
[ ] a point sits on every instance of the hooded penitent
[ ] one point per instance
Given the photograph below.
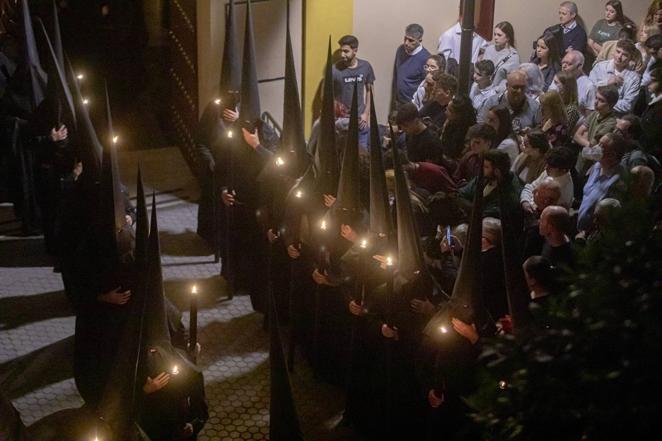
(250, 97)
(31, 63)
(348, 203)
(283, 418)
(230, 68)
(381, 223)
(11, 426)
(327, 156)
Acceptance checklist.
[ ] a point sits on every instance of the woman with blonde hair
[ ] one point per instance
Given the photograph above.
(554, 118)
(654, 14)
(566, 85)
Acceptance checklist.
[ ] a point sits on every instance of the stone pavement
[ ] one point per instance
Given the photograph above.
(36, 323)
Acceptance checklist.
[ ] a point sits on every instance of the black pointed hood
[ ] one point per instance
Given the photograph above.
(156, 323)
(112, 207)
(58, 93)
(230, 65)
(32, 64)
(142, 226)
(57, 37)
(85, 137)
(410, 251)
(516, 288)
(283, 418)
(381, 223)
(349, 195)
(326, 148)
(293, 141)
(250, 95)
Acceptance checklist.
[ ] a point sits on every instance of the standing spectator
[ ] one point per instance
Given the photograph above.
(559, 161)
(546, 56)
(554, 119)
(460, 115)
(432, 65)
(422, 144)
(524, 111)
(566, 85)
(482, 87)
(604, 178)
(449, 41)
(573, 62)
(569, 34)
(349, 70)
(529, 164)
(618, 71)
(651, 125)
(555, 227)
(408, 70)
(535, 81)
(606, 29)
(499, 118)
(645, 32)
(627, 32)
(502, 51)
(598, 124)
(654, 14)
(654, 47)
(443, 91)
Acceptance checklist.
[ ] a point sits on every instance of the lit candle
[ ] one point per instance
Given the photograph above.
(443, 330)
(279, 161)
(389, 261)
(229, 133)
(503, 385)
(217, 101)
(299, 194)
(115, 139)
(86, 101)
(80, 76)
(193, 321)
(175, 370)
(364, 244)
(323, 225)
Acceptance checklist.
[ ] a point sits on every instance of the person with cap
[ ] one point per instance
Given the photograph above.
(408, 72)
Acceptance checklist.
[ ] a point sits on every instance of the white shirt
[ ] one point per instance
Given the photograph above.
(449, 43)
(585, 94)
(509, 146)
(565, 181)
(628, 91)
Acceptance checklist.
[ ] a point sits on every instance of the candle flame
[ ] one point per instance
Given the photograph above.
(217, 101)
(299, 194)
(279, 161)
(364, 243)
(194, 289)
(389, 261)
(443, 330)
(502, 385)
(86, 101)
(80, 76)
(115, 139)
(323, 226)
(175, 370)
(230, 134)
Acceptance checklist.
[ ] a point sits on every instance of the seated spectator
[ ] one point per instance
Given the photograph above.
(559, 162)
(460, 115)
(541, 278)
(496, 172)
(573, 63)
(449, 41)
(433, 64)
(502, 52)
(569, 34)
(546, 194)
(555, 226)
(605, 178)
(650, 119)
(482, 87)
(554, 119)
(443, 91)
(607, 28)
(429, 176)
(609, 48)
(481, 138)
(618, 72)
(499, 118)
(410, 57)
(546, 57)
(421, 143)
(529, 164)
(535, 82)
(599, 123)
(566, 85)
(524, 111)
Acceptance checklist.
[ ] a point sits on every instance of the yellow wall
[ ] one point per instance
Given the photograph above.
(322, 18)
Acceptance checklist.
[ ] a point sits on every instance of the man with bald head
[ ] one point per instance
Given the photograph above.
(641, 185)
(555, 226)
(547, 193)
(573, 62)
(525, 111)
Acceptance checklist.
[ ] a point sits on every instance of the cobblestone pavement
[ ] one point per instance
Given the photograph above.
(36, 323)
